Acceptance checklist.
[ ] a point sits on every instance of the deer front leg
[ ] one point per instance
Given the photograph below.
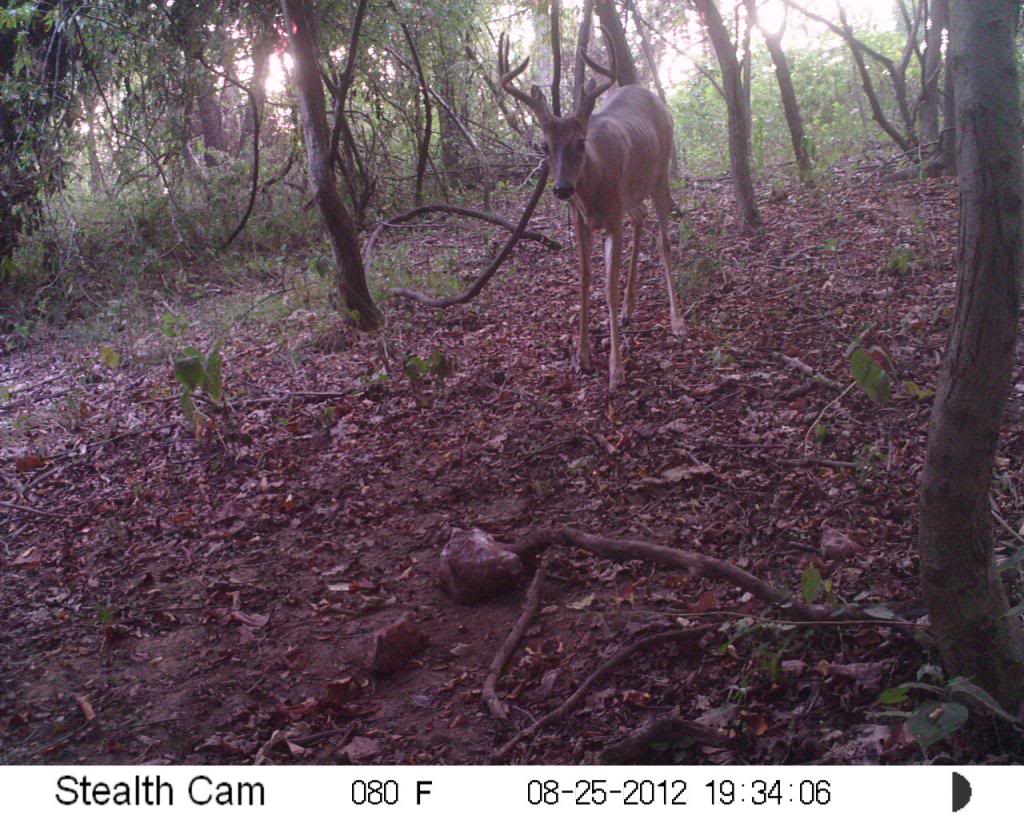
(638, 219)
(612, 261)
(662, 207)
(583, 249)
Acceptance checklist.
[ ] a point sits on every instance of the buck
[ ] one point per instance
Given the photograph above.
(606, 165)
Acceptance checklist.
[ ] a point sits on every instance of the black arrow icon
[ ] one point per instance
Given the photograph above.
(961, 791)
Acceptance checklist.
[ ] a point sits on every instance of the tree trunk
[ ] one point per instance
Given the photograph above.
(344, 240)
(262, 49)
(423, 155)
(928, 113)
(947, 137)
(652, 66)
(962, 587)
(211, 121)
(735, 101)
(582, 44)
(790, 106)
(625, 65)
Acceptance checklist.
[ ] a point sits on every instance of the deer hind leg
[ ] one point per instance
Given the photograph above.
(662, 209)
(583, 249)
(612, 261)
(638, 217)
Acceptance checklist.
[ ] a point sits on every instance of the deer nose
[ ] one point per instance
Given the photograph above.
(563, 190)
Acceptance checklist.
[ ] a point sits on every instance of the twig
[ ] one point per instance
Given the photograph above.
(619, 657)
(825, 409)
(489, 695)
(32, 510)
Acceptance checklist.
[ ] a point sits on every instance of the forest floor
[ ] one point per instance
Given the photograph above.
(170, 596)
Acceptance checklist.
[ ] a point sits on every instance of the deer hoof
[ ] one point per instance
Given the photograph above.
(679, 328)
(625, 319)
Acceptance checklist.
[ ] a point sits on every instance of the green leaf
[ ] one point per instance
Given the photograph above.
(110, 357)
(415, 367)
(917, 392)
(212, 381)
(810, 584)
(440, 364)
(935, 721)
(869, 376)
(188, 368)
(893, 696)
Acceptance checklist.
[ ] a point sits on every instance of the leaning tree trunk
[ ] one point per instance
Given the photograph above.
(961, 583)
(736, 106)
(337, 220)
(790, 106)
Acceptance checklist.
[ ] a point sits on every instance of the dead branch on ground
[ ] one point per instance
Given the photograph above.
(489, 695)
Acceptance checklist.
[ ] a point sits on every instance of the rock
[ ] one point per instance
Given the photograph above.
(394, 645)
(360, 749)
(474, 566)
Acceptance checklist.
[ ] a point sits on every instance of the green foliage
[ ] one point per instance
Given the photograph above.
(194, 371)
(870, 376)
(438, 364)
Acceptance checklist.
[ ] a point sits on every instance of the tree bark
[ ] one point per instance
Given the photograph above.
(962, 587)
(790, 106)
(351, 276)
(262, 49)
(625, 64)
(735, 101)
(211, 122)
(928, 113)
(582, 43)
(423, 155)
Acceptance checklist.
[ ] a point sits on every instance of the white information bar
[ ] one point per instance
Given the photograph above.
(302, 792)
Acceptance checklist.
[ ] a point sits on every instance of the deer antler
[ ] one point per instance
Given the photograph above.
(594, 90)
(534, 101)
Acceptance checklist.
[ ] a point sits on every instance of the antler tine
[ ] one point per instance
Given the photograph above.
(509, 74)
(592, 92)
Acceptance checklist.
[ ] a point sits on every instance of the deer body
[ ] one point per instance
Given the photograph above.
(607, 165)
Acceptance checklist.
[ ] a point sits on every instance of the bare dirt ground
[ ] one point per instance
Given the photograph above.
(168, 597)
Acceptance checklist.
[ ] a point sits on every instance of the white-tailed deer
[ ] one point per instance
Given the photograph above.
(606, 165)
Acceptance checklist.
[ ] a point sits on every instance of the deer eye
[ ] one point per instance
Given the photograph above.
(581, 145)
(545, 147)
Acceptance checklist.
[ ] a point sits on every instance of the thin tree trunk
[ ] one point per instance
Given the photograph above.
(582, 43)
(928, 113)
(652, 66)
(962, 587)
(790, 106)
(947, 137)
(735, 101)
(625, 64)
(337, 220)
(423, 154)
(263, 47)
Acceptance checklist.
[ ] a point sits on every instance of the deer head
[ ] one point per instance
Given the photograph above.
(565, 138)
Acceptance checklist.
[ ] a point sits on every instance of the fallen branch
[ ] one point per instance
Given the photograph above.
(697, 565)
(489, 695)
(619, 657)
(31, 510)
(483, 216)
(807, 370)
(661, 729)
(470, 293)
